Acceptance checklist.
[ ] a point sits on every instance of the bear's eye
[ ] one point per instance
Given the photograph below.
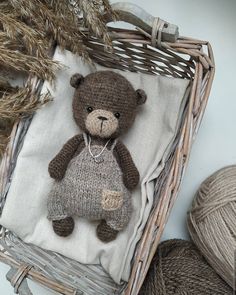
(117, 115)
(89, 109)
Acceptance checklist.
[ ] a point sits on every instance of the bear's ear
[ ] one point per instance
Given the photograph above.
(76, 79)
(141, 96)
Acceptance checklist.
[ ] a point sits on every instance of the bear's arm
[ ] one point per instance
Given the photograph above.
(58, 165)
(128, 168)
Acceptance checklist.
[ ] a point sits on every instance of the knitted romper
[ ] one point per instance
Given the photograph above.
(91, 189)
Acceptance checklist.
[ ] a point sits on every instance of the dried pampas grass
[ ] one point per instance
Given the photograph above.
(28, 31)
(43, 68)
(15, 103)
(20, 102)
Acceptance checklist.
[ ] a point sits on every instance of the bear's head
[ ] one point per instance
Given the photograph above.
(105, 103)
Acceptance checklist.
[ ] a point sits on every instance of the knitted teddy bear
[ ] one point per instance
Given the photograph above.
(94, 172)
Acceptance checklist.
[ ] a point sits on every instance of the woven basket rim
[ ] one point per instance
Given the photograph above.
(194, 56)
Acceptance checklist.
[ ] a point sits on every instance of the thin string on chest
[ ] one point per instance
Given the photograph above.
(87, 140)
(101, 152)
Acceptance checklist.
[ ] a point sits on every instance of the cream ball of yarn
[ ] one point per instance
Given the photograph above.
(212, 221)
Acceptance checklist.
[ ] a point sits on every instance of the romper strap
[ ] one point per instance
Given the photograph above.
(113, 145)
(85, 136)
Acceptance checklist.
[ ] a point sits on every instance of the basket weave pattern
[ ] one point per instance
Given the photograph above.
(134, 50)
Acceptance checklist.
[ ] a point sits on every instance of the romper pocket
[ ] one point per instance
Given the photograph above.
(111, 200)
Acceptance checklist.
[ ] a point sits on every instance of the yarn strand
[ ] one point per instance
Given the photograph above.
(212, 221)
(99, 154)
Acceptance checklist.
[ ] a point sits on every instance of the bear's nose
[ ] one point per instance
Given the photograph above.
(102, 118)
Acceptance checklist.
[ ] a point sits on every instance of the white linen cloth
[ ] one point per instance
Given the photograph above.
(149, 141)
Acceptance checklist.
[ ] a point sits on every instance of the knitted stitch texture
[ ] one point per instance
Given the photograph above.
(57, 167)
(104, 106)
(130, 175)
(63, 227)
(110, 91)
(105, 232)
(92, 190)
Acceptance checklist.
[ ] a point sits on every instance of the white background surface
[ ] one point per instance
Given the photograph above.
(215, 146)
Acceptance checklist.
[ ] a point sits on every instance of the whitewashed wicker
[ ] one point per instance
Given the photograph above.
(152, 49)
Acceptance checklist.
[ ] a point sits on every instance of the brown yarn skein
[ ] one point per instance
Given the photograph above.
(178, 268)
(212, 221)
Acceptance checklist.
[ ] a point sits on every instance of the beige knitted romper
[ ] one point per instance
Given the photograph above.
(92, 189)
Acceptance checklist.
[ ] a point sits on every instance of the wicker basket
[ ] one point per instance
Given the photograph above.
(152, 48)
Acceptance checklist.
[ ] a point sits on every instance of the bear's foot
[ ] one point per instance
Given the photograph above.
(105, 233)
(63, 227)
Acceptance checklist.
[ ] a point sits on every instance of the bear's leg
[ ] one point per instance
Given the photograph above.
(106, 233)
(58, 213)
(63, 227)
(108, 230)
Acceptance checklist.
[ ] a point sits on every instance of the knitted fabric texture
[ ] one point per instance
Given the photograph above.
(109, 91)
(93, 190)
(105, 232)
(57, 167)
(64, 226)
(178, 268)
(212, 221)
(95, 173)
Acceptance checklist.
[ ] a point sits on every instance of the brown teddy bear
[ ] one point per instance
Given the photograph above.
(94, 172)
